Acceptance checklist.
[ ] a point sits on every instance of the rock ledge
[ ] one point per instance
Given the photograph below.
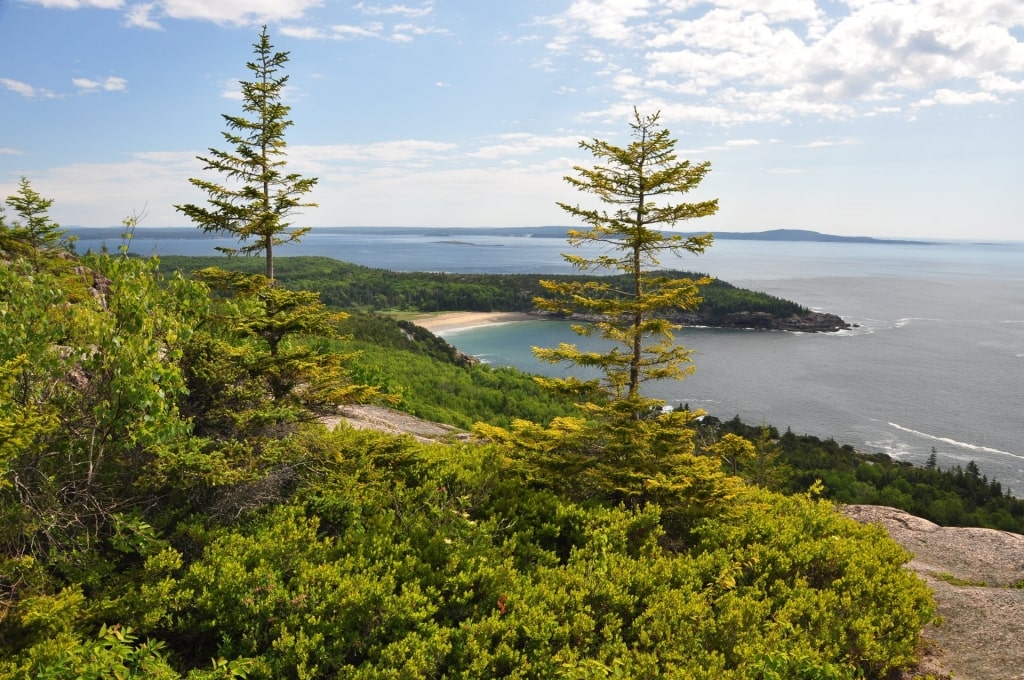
(977, 576)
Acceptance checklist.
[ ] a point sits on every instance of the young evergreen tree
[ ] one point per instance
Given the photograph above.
(257, 197)
(627, 450)
(633, 181)
(35, 235)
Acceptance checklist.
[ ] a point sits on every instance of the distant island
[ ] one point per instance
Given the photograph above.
(560, 231)
(191, 233)
(807, 235)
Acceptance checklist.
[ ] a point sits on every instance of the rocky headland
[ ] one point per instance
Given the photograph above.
(809, 322)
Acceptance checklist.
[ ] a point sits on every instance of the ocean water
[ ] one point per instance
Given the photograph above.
(936, 359)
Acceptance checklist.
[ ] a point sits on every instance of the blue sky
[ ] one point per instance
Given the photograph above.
(898, 118)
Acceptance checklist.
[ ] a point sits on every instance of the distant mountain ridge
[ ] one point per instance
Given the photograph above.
(769, 235)
(808, 235)
(534, 232)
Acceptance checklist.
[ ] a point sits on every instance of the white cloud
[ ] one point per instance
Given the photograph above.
(77, 4)
(739, 143)
(409, 31)
(231, 89)
(954, 98)
(733, 60)
(399, 33)
(605, 19)
(523, 144)
(304, 32)
(824, 143)
(8, 151)
(225, 12)
(18, 87)
(140, 16)
(346, 32)
(398, 152)
(103, 194)
(1001, 84)
(239, 12)
(403, 10)
(354, 180)
(110, 84)
(436, 196)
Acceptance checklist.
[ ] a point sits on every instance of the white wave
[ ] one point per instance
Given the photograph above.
(693, 402)
(859, 329)
(900, 323)
(953, 442)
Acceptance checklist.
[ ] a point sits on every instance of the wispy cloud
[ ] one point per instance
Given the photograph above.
(523, 144)
(22, 88)
(225, 12)
(231, 89)
(77, 4)
(954, 98)
(141, 16)
(8, 151)
(411, 152)
(826, 143)
(109, 84)
(402, 10)
(304, 32)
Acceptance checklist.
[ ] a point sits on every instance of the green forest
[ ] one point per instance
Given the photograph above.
(353, 287)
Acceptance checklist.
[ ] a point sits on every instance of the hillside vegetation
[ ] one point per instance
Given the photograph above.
(349, 286)
(171, 507)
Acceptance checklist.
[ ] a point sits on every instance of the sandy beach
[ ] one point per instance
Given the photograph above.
(448, 322)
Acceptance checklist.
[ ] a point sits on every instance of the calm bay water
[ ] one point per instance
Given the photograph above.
(937, 359)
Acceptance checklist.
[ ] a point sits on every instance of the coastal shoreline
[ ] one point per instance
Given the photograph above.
(452, 322)
(443, 323)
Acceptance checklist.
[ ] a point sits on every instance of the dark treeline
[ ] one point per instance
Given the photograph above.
(344, 285)
(957, 496)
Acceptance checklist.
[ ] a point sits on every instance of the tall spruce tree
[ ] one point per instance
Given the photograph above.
(257, 197)
(622, 452)
(635, 181)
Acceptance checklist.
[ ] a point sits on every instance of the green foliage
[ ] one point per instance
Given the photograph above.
(456, 394)
(630, 312)
(386, 333)
(628, 451)
(759, 459)
(260, 365)
(822, 563)
(343, 285)
(258, 197)
(167, 511)
(620, 460)
(950, 497)
(396, 559)
(35, 237)
(114, 652)
(89, 392)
